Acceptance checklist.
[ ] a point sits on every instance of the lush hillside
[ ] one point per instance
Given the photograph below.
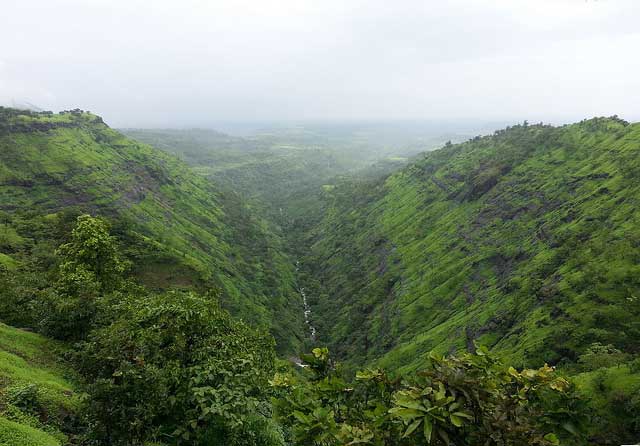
(176, 228)
(526, 240)
(153, 367)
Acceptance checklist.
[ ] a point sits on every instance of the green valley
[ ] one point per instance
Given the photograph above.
(319, 223)
(486, 292)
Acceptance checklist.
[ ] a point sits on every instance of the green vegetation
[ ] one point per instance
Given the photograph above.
(16, 434)
(526, 240)
(280, 171)
(165, 304)
(155, 366)
(175, 366)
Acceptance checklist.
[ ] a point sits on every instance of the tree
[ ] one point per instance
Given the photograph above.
(90, 273)
(177, 368)
(92, 254)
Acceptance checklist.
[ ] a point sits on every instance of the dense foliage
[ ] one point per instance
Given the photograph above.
(168, 367)
(177, 369)
(467, 400)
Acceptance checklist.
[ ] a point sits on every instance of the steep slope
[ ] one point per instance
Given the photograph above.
(177, 228)
(527, 240)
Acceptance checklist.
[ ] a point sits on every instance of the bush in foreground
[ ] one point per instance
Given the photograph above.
(470, 399)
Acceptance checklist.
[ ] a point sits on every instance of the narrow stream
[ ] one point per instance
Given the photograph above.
(306, 308)
(307, 314)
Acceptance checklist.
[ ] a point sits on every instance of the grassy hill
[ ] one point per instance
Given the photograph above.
(176, 227)
(527, 240)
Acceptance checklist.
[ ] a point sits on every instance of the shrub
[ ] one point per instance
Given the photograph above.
(16, 298)
(90, 270)
(24, 397)
(599, 356)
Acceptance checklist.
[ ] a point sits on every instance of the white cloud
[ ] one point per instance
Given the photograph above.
(195, 61)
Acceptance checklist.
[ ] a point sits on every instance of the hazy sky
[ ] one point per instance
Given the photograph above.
(190, 62)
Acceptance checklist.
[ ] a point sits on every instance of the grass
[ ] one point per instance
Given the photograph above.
(16, 434)
(8, 262)
(613, 395)
(27, 357)
(616, 379)
(37, 395)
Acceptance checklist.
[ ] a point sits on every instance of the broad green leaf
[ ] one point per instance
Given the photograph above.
(406, 414)
(412, 427)
(427, 429)
(300, 416)
(569, 427)
(455, 420)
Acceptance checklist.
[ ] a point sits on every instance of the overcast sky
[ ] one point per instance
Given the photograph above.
(190, 62)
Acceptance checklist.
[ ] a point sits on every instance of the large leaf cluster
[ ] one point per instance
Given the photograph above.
(471, 399)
